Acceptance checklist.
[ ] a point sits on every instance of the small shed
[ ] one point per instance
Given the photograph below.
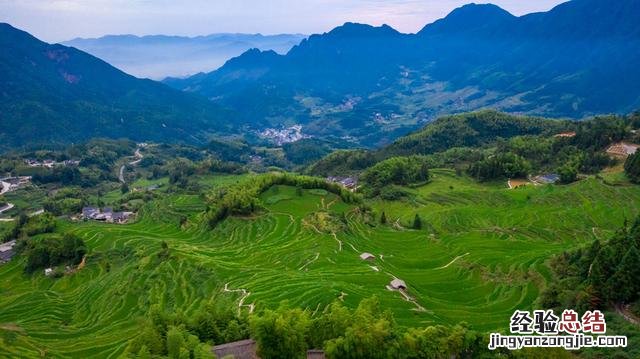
(398, 284)
(367, 256)
(48, 271)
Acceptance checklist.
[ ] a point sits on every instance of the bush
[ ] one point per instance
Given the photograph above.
(568, 174)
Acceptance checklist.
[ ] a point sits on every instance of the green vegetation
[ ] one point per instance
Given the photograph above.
(632, 167)
(216, 249)
(471, 130)
(24, 227)
(343, 163)
(243, 198)
(396, 171)
(506, 165)
(52, 251)
(273, 255)
(601, 276)
(492, 145)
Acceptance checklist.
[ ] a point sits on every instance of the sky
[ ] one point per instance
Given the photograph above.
(59, 20)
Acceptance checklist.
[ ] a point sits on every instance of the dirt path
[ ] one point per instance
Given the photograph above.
(339, 241)
(311, 261)
(626, 314)
(453, 261)
(406, 296)
(244, 296)
(398, 226)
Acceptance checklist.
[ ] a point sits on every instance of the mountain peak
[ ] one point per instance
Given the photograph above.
(351, 29)
(470, 17)
(253, 57)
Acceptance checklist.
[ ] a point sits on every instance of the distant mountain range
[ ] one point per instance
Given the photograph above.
(161, 56)
(374, 83)
(357, 83)
(56, 94)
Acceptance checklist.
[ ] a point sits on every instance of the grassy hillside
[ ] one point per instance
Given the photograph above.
(481, 254)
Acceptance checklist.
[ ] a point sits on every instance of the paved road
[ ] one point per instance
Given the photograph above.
(121, 175)
(138, 155)
(6, 208)
(626, 314)
(5, 187)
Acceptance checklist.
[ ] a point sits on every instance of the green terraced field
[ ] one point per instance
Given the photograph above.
(481, 255)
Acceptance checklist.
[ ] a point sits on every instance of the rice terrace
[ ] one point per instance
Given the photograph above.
(354, 179)
(483, 256)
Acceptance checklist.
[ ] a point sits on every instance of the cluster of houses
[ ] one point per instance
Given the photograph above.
(6, 251)
(106, 215)
(347, 182)
(285, 135)
(50, 163)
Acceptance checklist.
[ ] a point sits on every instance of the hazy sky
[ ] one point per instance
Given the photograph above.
(57, 20)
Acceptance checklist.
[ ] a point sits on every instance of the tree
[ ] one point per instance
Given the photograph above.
(383, 218)
(144, 353)
(175, 341)
(632, 167)
(624, 283)
(568, 174)
(371, 334)
(281, 333)
(417, 222)
(124, 188)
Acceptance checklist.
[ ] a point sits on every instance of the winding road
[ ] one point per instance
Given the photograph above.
(138, 155)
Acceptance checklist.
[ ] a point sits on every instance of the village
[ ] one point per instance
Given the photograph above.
(350, 183)
(105, 215)
(285, 135)
(51, 163)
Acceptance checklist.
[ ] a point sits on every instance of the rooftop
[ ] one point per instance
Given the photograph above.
(243, 349)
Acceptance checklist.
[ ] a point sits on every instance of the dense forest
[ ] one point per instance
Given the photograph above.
(368, 331)
(491, 145)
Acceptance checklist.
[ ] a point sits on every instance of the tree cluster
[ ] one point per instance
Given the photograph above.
(632, 167)
(177, 336)
(53, 250)
(242, 199)
(594, 277)
(507, 165)
(396, 170)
